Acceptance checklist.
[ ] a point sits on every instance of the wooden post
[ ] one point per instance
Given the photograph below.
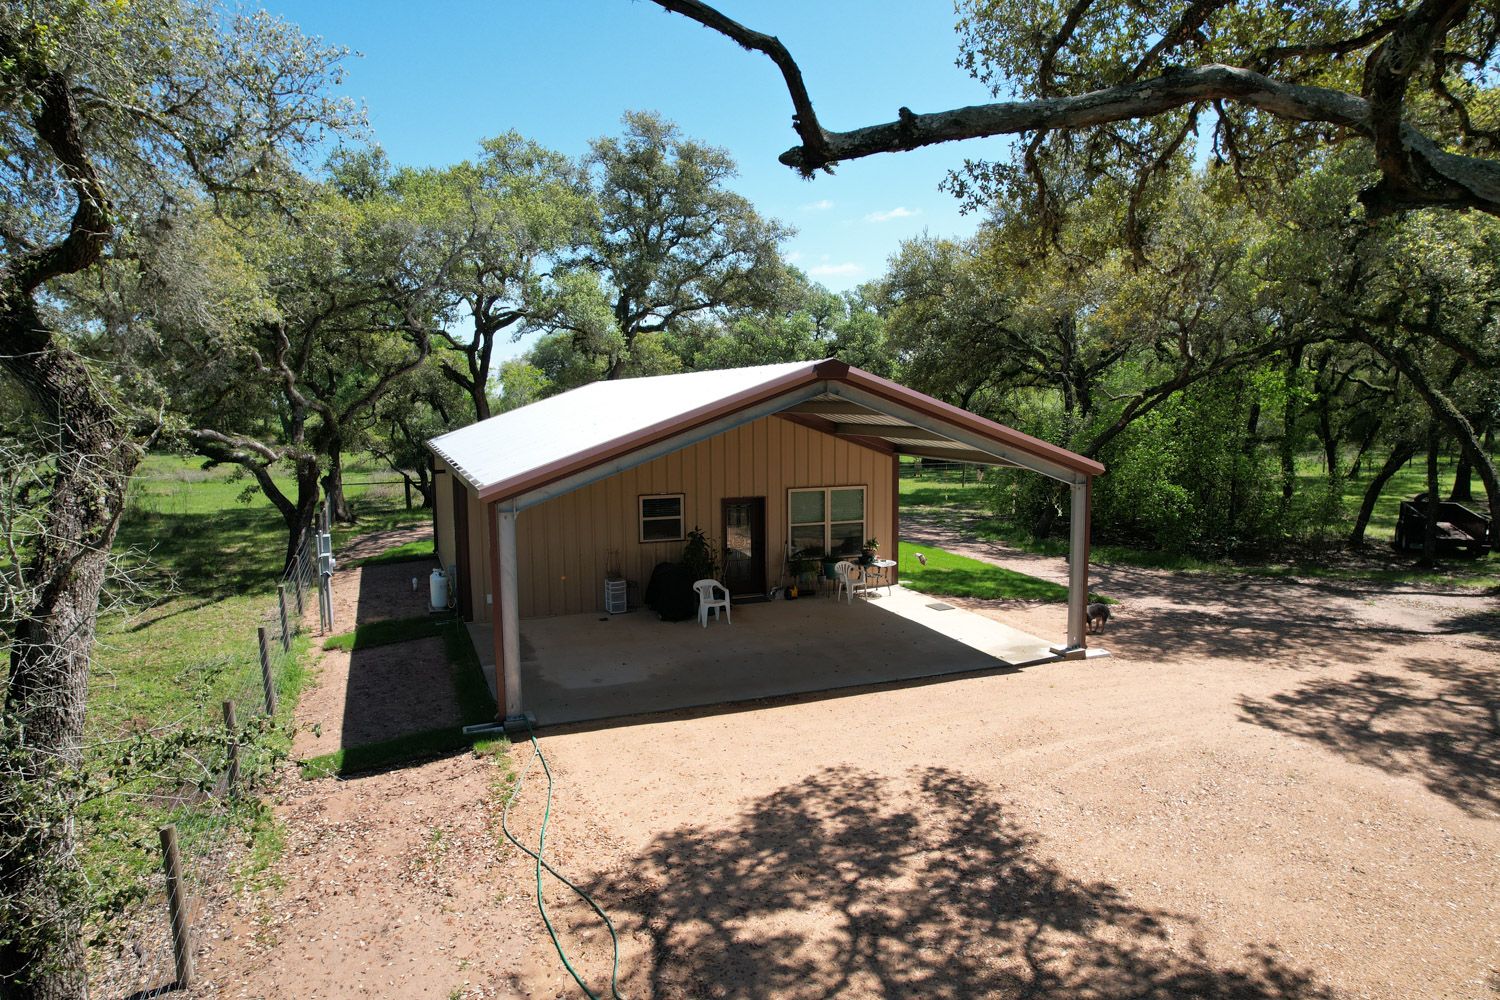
(407, 483)
(177, 909)
(234, 748)
(265, 670)
(286, 634)
(297, 582)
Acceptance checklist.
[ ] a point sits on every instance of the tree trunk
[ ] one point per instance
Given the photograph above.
(51, 644)
(1448, 414)
(300, 517)
(423, 484)
(1401, 452)
(1429, 529)
(333, 485)
(1288, 448)
(1463, 480)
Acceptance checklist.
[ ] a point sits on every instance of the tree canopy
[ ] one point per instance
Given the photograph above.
(1120, 86)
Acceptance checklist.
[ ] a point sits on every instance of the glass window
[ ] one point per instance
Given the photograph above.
(661, 518)
(830, 519)
(807, 506)
(847, 505)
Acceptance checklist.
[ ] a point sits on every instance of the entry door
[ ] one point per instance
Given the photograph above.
(745, 545)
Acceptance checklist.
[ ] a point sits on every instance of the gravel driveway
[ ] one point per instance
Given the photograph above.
(1271, 789)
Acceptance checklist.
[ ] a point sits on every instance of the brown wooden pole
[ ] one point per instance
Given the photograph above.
(232, 729)
(297, 579)
(265, 670)
(286, 632)
(177, 907)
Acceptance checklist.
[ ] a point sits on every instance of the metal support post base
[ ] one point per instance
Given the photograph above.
(519, 723)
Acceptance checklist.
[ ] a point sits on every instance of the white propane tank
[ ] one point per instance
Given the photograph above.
(438, 583)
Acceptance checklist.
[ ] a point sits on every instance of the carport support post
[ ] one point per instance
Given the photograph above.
(1078, 565)
(510, 619)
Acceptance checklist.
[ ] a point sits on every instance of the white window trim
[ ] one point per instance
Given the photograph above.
(641, 518)
(828, 521)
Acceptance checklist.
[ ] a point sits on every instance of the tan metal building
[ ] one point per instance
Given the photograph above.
(535, 507)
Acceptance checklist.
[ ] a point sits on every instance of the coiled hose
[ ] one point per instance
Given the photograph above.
(542, 864)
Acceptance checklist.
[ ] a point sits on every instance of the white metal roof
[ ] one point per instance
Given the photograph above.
(523, 441)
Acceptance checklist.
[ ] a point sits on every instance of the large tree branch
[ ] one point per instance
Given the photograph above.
(56, 121)
(804, 120)
(1424, 176)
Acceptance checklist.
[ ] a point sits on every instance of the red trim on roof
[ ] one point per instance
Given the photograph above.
(831, 370)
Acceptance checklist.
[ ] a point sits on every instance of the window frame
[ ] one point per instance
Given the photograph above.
(828, 521)
(641, 518)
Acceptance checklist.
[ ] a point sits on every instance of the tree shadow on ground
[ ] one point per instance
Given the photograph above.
(849, 883)
(1441, 726)
(209, 555)
(1266, 620)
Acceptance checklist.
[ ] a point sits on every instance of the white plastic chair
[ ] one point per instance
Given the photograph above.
(850, 578)
(708, 601)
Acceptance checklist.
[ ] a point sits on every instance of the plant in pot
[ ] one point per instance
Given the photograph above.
(700, 556)
(805, 564)
(871, 550)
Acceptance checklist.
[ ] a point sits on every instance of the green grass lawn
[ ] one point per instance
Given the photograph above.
(948, 574)
(947, 494)
(420, 549)
(206, 555)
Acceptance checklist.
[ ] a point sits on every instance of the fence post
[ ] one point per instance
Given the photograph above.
(286, 634)
(296, 579)
(232, 729)
(265, 670)
(407, 483)
(177, 910)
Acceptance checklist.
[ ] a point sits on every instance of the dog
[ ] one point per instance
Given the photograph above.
(1098, 615)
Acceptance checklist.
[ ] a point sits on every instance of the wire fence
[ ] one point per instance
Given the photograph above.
(203, 776)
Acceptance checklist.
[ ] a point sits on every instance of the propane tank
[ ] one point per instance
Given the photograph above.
(438, 584)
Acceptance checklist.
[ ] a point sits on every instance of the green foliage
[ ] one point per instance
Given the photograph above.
(700, 556)
(408, 552)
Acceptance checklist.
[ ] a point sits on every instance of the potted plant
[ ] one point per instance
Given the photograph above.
(872, 549)
(806, 564)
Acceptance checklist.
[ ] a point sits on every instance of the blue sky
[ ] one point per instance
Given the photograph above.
(439, 76)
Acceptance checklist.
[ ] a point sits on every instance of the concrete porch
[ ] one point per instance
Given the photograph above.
(577, 668)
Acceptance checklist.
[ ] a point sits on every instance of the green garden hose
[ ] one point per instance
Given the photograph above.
(541, 864)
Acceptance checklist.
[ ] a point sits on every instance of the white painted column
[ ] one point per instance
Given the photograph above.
(1078, 567)
(510, 620)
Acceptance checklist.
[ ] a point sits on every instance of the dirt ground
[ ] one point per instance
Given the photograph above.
(1272, 788)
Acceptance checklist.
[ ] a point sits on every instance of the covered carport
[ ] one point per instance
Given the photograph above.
(519, 461)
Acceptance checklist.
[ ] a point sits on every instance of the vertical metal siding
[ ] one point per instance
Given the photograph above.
(563, 542)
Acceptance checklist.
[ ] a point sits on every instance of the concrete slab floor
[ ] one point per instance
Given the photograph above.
(577, 668)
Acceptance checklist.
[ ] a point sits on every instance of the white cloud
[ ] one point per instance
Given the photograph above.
(794, 256)
(896, 213)
(822, 205)
(848, 269)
